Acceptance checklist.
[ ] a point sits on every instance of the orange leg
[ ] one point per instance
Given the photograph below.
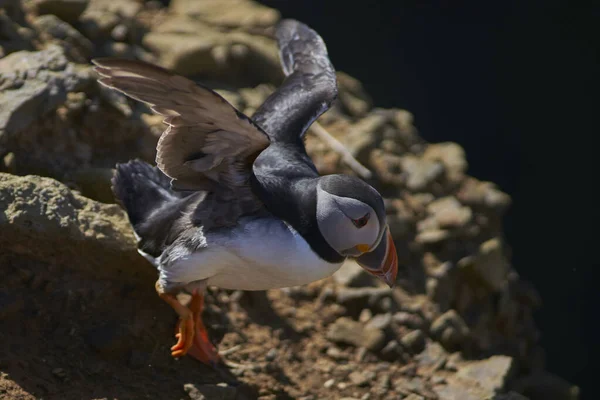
(202, 348)
(185, 335)
(192, 337)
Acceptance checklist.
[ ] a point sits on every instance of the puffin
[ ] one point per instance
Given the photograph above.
(235, 201)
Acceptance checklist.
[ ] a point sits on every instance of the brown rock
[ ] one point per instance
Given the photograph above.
(347, 331)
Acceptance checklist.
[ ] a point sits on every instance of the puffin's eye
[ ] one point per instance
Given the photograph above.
(362, 221)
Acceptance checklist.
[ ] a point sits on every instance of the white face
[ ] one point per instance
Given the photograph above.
(349, 226)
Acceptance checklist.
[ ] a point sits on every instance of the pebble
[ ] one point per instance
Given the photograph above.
(450, 329)
(361, 378)
(347, 331)
(329, 383)
(414, 341)
(380, 321)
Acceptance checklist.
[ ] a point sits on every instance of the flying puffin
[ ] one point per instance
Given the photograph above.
(236, 202)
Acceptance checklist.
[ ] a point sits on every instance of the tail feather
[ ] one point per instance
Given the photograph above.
(141, 189)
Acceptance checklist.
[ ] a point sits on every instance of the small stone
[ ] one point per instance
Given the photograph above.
(210, 392)
(450, 329)
(410, 320)
(271, 355)
(365, 315)
(380, 321)
(391, 351)
(336, 353)
(413, 396)
(67, 10)
(119, 32)
(59, 373)
(348, 331)
(432, 236)
(449, 213)
(420, 172)
(329, 383)
(414, 341)
(361, 378)
(356, 299)
(491, 264)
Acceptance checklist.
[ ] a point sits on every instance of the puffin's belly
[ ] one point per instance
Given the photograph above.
(258, 254)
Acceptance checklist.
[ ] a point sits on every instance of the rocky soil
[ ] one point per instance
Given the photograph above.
(78, 311)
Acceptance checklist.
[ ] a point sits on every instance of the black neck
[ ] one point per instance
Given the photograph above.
(295, 201)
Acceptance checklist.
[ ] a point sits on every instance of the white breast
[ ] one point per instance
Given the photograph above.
(258, 254)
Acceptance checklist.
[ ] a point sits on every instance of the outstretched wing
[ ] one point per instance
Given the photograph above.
(208, 144)
(309, 88)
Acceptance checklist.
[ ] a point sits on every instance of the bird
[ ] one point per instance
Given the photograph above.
(235, 201)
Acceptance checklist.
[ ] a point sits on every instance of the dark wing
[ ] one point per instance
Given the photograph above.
(208, 144)
(308, 90)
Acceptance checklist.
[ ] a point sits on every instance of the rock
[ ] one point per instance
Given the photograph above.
(102, 16)
(13, 37)
(414, 341)
(448, 213)
(356, 299)
(420, 172)
(361, 378)
(110, 340)
(210, 392)
(41, 215)
(345, 330)
(450, 329)
(353, 275)
(34, 83)
(410, 320)
(491, 264)
(451, 155)
(227, 13)
(478, 379)
(352, 95)
(546, 386)
(363, 135)
(433, 356)
(329, 383)
(201, 49)
(510, 396)
(76, 45)
(413, 396)
(380, 321)
(432, 236)
(483, 194)
(67, 10)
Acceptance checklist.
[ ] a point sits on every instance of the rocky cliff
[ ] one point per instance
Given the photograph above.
(78, 311)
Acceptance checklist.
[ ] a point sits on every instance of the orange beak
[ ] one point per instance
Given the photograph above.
(382, 261)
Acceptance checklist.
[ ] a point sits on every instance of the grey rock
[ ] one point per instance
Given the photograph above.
(76, 45)
(380, 321)
(413, 396)
(410, 320)
(482, 379)
(34, 83)
(434, 355)
(67, 10)
(414, 341)
(356, 299)
(347, 331)
(450, 329)
(483, 194)
(39, 215)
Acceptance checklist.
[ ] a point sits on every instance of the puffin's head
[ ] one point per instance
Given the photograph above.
(351, 218)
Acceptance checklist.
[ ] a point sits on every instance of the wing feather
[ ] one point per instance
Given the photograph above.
(208, 143)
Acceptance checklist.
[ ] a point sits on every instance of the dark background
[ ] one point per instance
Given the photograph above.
(511, 82)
